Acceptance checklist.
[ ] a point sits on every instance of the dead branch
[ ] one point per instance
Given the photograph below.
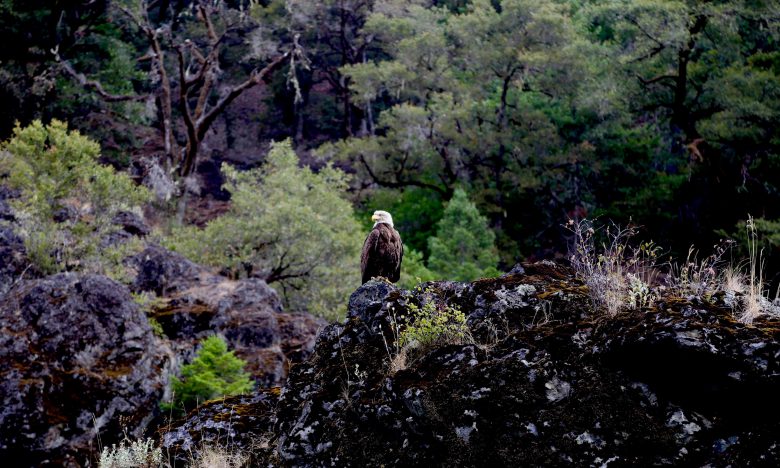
(94, 85)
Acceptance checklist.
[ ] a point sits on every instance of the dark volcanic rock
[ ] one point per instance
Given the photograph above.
(6, 212)
(367, 301)
(227, 422)
(248, 313)
(13, 258)
(77, 355)
(131, 223)
(547, 381)
(165, 272)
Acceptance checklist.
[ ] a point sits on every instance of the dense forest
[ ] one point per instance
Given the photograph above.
(259, 135)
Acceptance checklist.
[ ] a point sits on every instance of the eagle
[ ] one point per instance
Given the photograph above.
(382, 250)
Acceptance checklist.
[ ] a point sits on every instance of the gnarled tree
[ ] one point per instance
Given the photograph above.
(184, 74)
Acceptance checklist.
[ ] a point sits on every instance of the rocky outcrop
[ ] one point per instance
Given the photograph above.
(78, 359)
(227, 422)
(545, 381)
(194, 303)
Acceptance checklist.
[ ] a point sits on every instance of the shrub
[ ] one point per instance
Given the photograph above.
(144, 454)
(618, 274)
(287, 225)
(215, 372)
(68, 201)
(433, 325)
(137, 454)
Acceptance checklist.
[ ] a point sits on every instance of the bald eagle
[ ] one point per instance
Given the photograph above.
(382, 250)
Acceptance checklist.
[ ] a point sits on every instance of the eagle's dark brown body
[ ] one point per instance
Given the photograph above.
(382, 253)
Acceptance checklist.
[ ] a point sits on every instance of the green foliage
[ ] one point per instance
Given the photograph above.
(631, 110)
(157, 327)
(147, 302)
(415, 212)
(463, 249)
(58, 172)
(434, 325)
(657, 113)
(215, 372)
(486, 98)
(288, 225)
(30, 30)
(413, 270)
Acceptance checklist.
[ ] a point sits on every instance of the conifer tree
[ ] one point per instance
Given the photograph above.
(463, 248)
(215, 372)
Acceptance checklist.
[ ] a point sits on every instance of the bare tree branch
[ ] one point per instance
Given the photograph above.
(256, 78)
(400, 184)
(655, 79)
(95, 85)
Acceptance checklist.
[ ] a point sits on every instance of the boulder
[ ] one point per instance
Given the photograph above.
(80, 366)
(196, 303)
(164, 272)
(226, 422)
(131, 223)
(543, 380)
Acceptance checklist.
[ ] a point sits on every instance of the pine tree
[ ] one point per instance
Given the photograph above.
(214, 372)
(463, 248)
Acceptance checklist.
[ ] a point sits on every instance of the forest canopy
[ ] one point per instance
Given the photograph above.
(654, 113)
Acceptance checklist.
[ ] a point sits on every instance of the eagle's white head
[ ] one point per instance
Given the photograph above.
(382, 217)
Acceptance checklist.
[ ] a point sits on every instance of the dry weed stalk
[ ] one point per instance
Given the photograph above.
(219, 457)
(699, 278)
(618, 274)
(755, 300)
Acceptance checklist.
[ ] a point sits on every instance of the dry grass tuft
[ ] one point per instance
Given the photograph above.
(755, 299)
(699, 278)
(618, 273)
(621, 275)
(219, 457)
(733, 281)
(399, 362)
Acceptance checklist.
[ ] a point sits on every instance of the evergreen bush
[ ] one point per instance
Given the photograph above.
(215, 372)
(68, 199)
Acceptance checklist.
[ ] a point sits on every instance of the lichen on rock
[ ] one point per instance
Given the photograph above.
(546, 381)
(79, 360)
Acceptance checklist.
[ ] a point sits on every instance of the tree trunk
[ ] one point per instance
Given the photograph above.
(682, 124)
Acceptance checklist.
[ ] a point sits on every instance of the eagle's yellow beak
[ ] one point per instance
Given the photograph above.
(374, 218)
